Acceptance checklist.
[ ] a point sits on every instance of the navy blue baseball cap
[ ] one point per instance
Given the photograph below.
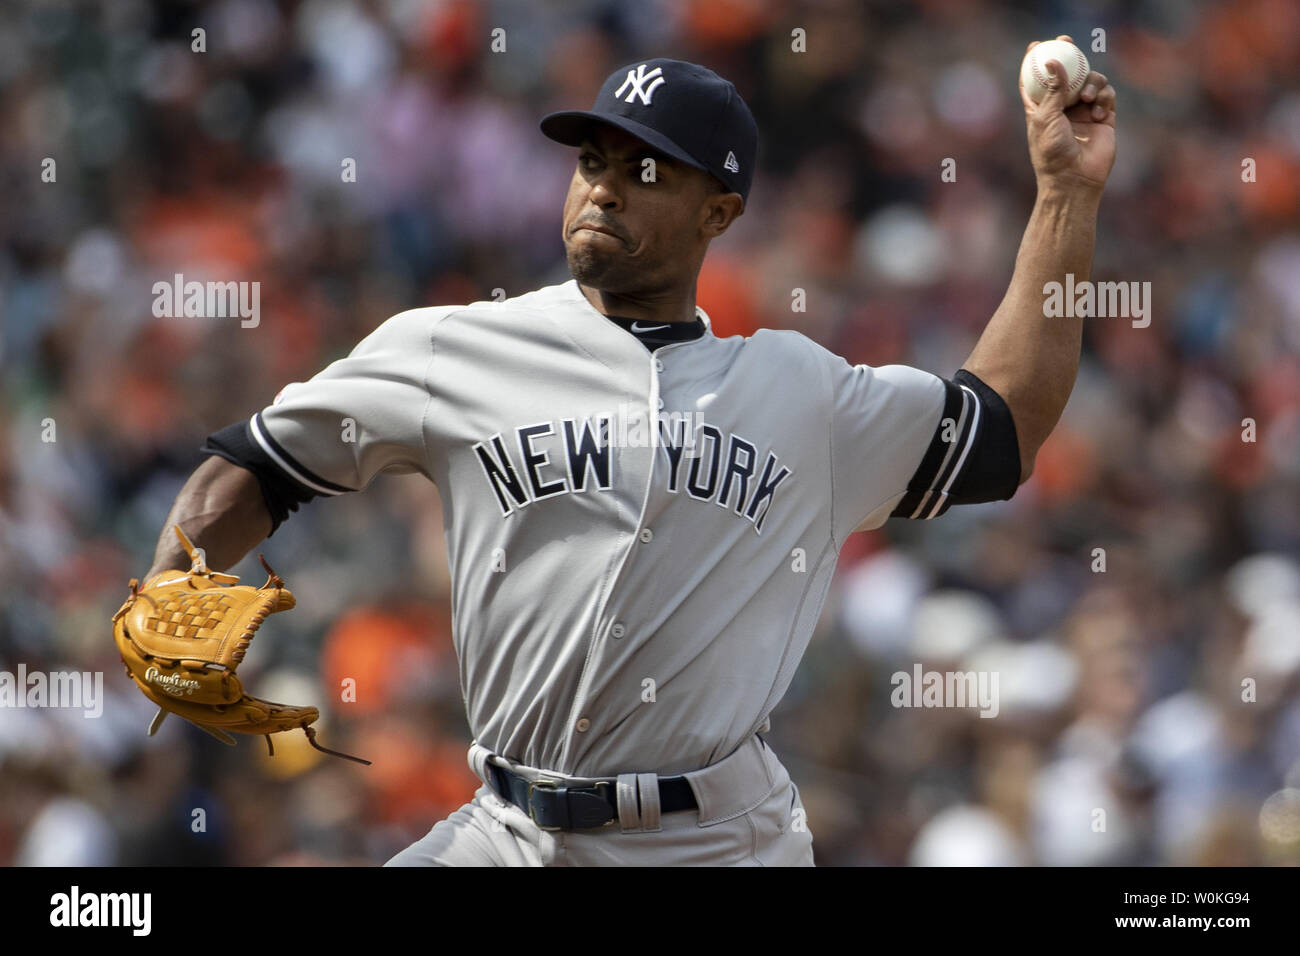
(681, 109)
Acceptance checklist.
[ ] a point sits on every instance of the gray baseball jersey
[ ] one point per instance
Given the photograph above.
(640, 544)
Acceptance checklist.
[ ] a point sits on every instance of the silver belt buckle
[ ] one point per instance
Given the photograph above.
(554, 785)
(613, 819)
(540, 785)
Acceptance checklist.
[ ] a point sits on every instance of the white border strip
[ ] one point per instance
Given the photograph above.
(970, 441)
(962, 418)
(287, 468)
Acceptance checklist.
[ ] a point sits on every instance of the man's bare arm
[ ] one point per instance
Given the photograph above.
(221, 510)
(1027, 358)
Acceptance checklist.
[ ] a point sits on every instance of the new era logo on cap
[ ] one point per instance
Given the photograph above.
(679, 108)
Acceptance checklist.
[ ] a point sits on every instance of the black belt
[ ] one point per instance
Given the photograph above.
(553, 807)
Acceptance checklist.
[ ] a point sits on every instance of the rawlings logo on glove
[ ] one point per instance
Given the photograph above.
(183, 635)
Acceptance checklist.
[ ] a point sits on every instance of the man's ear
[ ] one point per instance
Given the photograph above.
(720, 211)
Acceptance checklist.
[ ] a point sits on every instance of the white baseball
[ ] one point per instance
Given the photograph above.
(1034, 75)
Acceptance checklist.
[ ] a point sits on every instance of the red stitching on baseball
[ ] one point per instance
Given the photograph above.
(1034, 68)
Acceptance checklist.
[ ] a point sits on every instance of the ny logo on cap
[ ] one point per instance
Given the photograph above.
(637, 78)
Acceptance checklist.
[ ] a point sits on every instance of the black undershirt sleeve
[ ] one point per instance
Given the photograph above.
(281, 493)
(973, 457)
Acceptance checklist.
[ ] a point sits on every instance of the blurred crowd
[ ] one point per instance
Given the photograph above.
(1139, 598)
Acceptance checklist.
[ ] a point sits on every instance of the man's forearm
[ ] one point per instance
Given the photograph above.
(221, 510)
(1027, 358)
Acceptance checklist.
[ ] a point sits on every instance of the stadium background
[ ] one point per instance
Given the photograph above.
(1120, 690)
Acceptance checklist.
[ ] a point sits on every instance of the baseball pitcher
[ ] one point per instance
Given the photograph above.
(623, 491)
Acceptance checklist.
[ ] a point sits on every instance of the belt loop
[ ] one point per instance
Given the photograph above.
(629, 818)
(648, 786)
(477, 757)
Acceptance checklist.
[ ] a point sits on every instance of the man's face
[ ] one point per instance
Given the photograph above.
(653, 237)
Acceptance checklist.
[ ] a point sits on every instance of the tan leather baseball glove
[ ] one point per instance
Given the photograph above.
(183, 635)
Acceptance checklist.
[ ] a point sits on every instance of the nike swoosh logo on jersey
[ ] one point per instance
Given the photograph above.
(653, 328)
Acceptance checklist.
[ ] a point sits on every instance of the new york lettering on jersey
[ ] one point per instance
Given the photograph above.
(564, 456)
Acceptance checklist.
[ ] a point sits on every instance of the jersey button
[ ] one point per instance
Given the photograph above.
(646, 535)
(661, 403)
(659, 366)
(618, 630)
(583, 725)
